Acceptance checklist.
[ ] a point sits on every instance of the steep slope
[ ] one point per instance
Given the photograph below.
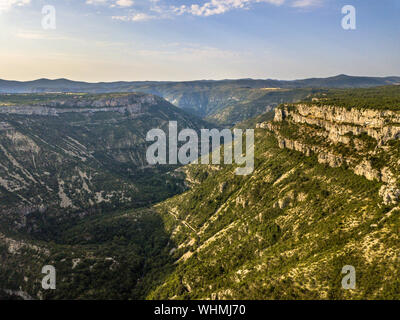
(225, 101)
(243, 104)
(70, 167)
(80, 154)
(113, 256)
(324, 194)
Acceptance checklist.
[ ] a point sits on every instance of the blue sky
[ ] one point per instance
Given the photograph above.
(108, 40)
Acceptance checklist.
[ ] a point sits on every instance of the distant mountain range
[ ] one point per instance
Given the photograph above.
(222, 101)
(65, 85)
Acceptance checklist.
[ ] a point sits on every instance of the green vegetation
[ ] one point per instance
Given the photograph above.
(251, 123)
(76, 193)
(66, 183)
(84, 161)
(284, 232)
(110, 256)
(7, 99)
(75, 100)
(246, 103)
(379, 98)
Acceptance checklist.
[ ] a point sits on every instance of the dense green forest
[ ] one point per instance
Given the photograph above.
(380, 98)
(283, 233)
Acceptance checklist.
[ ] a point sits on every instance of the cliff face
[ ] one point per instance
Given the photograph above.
(286, 231)
(338, 121)
(80, 152)
(361, 140)
(133, 104)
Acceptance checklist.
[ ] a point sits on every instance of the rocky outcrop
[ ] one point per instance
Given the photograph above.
(341, 126)
(337, 121)
(361, 117)
(131, 104)
(365, 169)
(390, 194)
(65, 152)
(324, 156)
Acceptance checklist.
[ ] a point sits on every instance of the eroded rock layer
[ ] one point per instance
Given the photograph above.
(362, 140)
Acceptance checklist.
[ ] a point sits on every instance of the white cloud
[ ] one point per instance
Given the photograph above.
(124, 3)
(96, 2)
(305, 3)
(142, 17)
(6, 5)
(205, 9)
(112, 4)
(137, 17)
(220, 6)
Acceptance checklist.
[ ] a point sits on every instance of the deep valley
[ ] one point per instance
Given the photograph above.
(76, 192)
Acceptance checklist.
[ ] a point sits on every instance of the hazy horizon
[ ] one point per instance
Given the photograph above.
(194, 80)
(171, 40)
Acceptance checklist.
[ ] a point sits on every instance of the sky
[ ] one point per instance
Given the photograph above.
(178, 40)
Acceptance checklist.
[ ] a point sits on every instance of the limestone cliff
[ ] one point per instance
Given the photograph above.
(66, 153)
(133, 104)
(362, 140)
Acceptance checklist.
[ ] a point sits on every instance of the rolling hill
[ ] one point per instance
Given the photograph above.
(226, 102)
